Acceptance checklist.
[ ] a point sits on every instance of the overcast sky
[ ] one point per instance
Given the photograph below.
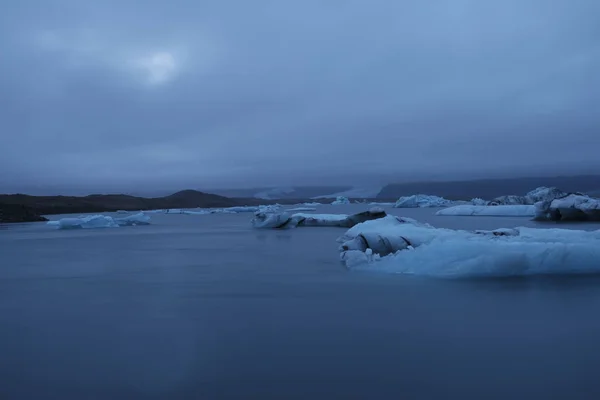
(224, 93)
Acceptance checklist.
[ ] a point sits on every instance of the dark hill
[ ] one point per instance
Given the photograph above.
(44, 205)
(18, 213)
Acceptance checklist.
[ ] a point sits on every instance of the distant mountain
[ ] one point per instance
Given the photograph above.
(44, 205)
(282, 193)
(490, 188)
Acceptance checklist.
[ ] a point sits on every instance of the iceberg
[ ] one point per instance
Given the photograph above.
(510, 200)
(340, 200)
(573, 207)
(285, 220)
(100, 221)
(541, 193)
(544, 194)
(397, 245)
(479, 202)
(228, 210)
(422, 201)
(489, 211)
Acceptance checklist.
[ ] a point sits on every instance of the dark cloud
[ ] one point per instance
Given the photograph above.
(118, 94)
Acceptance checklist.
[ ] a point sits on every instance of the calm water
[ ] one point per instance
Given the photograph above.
(203, 307)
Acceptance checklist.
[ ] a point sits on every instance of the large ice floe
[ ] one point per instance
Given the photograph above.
(489, 211)
(100, 221)
(402, 245)
(285, 220)
(340, 200)
(422, 201)
(572, 207)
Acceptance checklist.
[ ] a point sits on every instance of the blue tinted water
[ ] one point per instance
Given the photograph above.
(204, 307)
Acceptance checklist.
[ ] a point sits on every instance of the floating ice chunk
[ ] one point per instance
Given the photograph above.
(285, 220)
(573, 207)
(377, 245)
(421, 200)
(340, 200)
(132, 220)
(489, 211)
(122, 212)
(313, 204)
(100, 221)
(510, 200)
(302, 209)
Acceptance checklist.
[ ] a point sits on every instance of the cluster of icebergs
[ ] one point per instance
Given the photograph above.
(285, 220)
(100, 221)
(543, 203)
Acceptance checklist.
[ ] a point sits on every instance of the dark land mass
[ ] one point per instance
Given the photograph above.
(26, 208)
(18, 213)
(490, 188)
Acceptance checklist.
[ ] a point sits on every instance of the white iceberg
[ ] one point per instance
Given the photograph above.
(421, 201)
(340, 200)
(489, 211)
(100, 221)
(285, 220)
(573, 207)
(396, 245)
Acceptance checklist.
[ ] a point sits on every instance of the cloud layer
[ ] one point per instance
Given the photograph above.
(119, 94)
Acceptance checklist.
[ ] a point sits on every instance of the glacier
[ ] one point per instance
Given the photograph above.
(285, 220)
(355, 193)
(421, 201)
(100, 221)
(489, 211)
(403, 246)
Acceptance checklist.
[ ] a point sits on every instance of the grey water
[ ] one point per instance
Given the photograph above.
(204, 307)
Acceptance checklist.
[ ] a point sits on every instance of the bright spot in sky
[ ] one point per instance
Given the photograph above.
(159, 67)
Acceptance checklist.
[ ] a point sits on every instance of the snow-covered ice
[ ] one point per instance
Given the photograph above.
(340, 200)
(489, 211)
(421, 200)
(100, 221)
(397, 245)
(573, 207)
